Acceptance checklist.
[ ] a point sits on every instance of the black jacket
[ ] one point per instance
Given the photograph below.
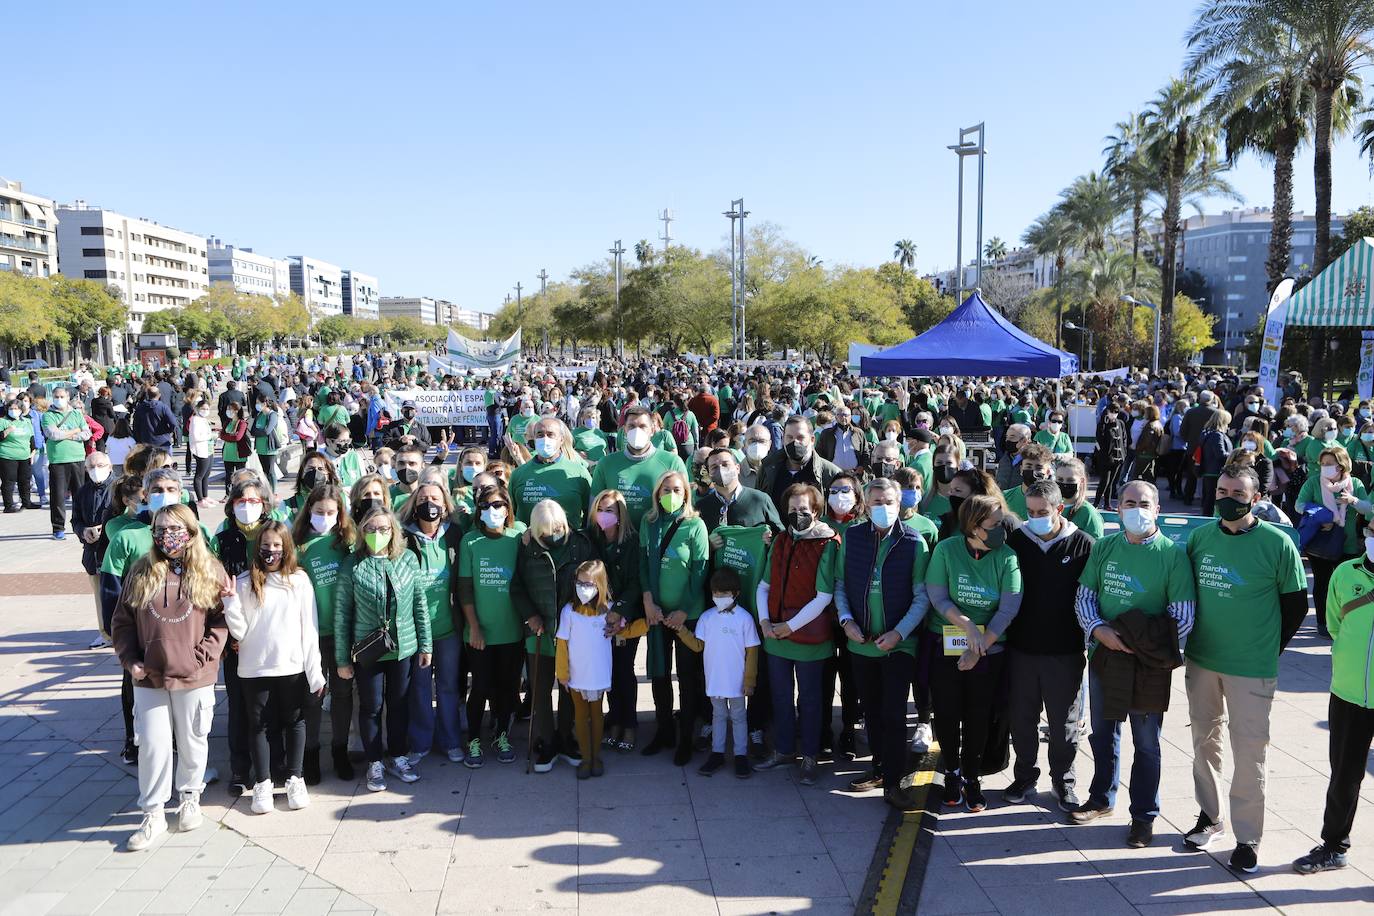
(1139, 680)
(90, 509)
(1047, 624)
(863, 449)
(773, 474)
(749, 508)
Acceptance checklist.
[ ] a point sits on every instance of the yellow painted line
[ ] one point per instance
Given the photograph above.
(899, 854)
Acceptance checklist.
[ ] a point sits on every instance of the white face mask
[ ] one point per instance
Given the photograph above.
(493, 518)
(203, 413)
(946, 430)
(637, 437)
(1331, 471)
(1248, 445)
(1369, 548)
(586, 593)
(321, 522)
(1056, 427)
(100, 474)
(756, 450)
(1139, 522)
(723, 601)
(1328, 436)
(842, 503)
(247, 513)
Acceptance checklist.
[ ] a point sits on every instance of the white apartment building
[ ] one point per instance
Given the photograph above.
(152, 266)
(248, 271)
(319, 284)
(422, 308)
(360, 295)
(470, 317)
(28, 231)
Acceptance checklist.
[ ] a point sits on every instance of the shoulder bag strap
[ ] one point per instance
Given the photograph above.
(668, 538)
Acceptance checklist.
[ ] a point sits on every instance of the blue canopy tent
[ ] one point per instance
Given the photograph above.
(973, 340)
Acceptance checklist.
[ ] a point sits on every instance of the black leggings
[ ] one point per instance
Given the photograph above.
(963, 710)
(285, 695)
(1321, 581)
(691, 688)
(230, 469)
(15, 474)
(495, 680)
(839, 668)
(200, 478)
(624, 699)
(340, 704)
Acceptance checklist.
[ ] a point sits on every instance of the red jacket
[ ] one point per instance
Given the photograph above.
(707, 411)
(792, 583)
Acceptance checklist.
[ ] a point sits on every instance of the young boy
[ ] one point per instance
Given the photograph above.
(728, 635)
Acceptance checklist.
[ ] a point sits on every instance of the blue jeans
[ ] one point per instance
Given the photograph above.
(40, 477)
(807, 707)
(384, 684)
(440, 680)
(1106, 744)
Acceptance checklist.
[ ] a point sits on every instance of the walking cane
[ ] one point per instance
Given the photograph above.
(529, 737)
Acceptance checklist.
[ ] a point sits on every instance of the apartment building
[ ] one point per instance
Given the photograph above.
(421, 308)
(246, 270)
(318, 283)
(360, 295)
(28, 231)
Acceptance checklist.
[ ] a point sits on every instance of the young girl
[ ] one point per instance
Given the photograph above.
(272, 616)
(168, 631)
(582, 662)
(237, 446)
(200, 443)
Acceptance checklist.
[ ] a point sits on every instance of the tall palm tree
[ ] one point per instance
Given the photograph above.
(1050, 236)
(1092, 207)
(644, 252)
(1129, 168)
(1331, 42)
(904, 253)
(994, 249)
(1178, 137)
(1097, 281)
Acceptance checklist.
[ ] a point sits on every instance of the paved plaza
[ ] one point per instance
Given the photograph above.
(648, 838)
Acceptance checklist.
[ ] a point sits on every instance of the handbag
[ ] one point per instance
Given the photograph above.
(370, 649)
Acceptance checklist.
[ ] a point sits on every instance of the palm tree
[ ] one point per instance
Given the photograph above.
(644, 252)
(904, 253)
(1098, 281)
(1330, 42)
(1129, 168)
(995, 249)
(1178, 138)
(1092, 207)
(1050, 235)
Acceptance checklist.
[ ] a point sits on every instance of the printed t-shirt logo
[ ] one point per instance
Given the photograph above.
(1213, 574)
(1120, 584)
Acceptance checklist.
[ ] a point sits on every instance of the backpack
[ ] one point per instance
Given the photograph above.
(279, 434)
(681, 433)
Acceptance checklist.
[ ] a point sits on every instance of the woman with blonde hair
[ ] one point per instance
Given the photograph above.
(371, 491)
(674, 559)
(273, 619)
(616, 544)
(169, 631)
(1334, 488)
(379, 623)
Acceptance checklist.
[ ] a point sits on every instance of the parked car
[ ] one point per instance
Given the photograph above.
(26, 364)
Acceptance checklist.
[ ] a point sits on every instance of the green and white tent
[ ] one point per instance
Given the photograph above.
(1340, 296)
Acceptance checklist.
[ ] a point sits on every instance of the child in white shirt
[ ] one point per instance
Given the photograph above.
(730, 638)
(582, 658)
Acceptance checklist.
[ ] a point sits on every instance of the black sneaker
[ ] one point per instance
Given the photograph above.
(240, 786)
(663, 740)
(311, 766)
(742, 768)
(1068, 798)
(1245, 858)
(973, 796)
(866, 783)
(130, 753)
(1141, 834)
(1319, 859)
(571, 756)
(1016, 793)
(543, 759)
(954, 789)
(1088, 812)
(846, 746)
(1204, 832)
(713, 763)
(903, 800)
(343, 767)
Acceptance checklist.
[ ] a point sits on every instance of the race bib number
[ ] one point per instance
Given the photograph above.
(956, 640)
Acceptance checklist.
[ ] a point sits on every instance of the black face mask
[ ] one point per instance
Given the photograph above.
(408, 413)
(800, 521)
(429, 512)
(407, 476)
(887, 469)
(798, 451)
(1069, 490)
(339, 446)
(1029, 477)
(1232, 510)
(309, 477)
(944, 473)
(995, 538)
(364, 505)
(954, 503)
(270, 557)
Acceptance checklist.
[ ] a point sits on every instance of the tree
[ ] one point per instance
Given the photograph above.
(335, 328)
(916, 298)
(83, 309)
(904, 253)
(291, 317)
(994, 249)
(1131, 172)
(644, 252)
(1097, 283)
(24, 315)
(404, 330)
(1358, 225)
(1051, 236)
(1091, 208)
(1006, 290)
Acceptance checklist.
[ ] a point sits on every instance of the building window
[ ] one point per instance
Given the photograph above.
(93, 252)
(95, 275)
(92, 230)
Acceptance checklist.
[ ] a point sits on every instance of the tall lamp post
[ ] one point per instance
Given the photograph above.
(1154, 366)
(736, 215)
(1088, 336)
(616, 252)
(966, 147)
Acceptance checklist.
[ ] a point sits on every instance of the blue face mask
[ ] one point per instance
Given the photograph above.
(1041, 526)
(470, 473)
(883, 516)
(910, 498)
(158, 501)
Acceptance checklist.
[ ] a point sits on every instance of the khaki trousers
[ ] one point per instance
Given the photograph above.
(1242, 704)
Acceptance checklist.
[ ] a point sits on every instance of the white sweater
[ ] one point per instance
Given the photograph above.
(277, 636)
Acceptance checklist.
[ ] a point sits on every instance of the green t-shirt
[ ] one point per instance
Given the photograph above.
(888, 410)
(350, 469)
(928, 530)
(1311, 495)
(923, 463)
(744, 552)
(592, 443)
(398, 496)
(333, 413)
(1146, 576)
(936, 506)
(16, 447)
(517, 426)
(1059, 442)
(322, 560)
(1016, 501)
(1239, 580)
(563, 480)
(1089, 519)
(634, 478)
(63, 451)
(975, 586)
(490, 563)
(435, 580)
(1310, 450)
(832, 568)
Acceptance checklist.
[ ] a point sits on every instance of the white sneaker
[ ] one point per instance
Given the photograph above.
(456, 755)
(188, 812)
(920, 742)
(376, 779)
(262, 797)
(296, 795)
(416, 756)
(154, 825)
(100, 642)
(400, 768)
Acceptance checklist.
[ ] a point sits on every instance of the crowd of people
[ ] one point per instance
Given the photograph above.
(772, 534)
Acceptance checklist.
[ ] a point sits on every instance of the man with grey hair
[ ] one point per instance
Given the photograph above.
(1009, 465)
(1191, 428)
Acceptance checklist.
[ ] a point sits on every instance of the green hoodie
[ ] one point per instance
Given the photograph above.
(1352, 632)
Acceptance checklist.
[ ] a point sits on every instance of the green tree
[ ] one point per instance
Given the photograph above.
(1091, 208)
(1358, 225)
(994, 249)
(1131, 172)
(644, 252)
(904, 253)
(25, 319)
(404, 330)
(291, 318)
(1097, 284)
(1051, 235)
(84, 309)
(334, 329)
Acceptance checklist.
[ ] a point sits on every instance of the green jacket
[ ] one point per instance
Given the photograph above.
(361, 595)
(1352, 632)
(544, 582)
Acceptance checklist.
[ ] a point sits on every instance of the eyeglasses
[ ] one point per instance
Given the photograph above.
(170, 529)
(385, 529)
(496, 505)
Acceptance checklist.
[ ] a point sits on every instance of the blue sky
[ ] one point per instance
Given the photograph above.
(455, 149)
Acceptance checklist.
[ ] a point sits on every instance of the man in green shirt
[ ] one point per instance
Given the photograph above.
(549, 475)
(1037, 463)
(66, 432)
(1251, 599)
(1137, 568)
(636, 469)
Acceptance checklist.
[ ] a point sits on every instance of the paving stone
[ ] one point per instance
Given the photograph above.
(687, 898)
(758, 875)
(668, 861)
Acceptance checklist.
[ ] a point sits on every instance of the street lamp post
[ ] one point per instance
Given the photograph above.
(1088, 335)
(1154, 366)
(736, 215)
(617, 251)
(966, 147)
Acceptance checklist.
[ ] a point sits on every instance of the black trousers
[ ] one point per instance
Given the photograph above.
(1352, 731)
(1208, 483)
(200, 478)
(126, 703)
(15, 475)
(883, 687)
(691, 688)
(230, 469)
(1051, 682)
(624, 698)
(839, 669)
(495, 681)
(63, 479)
(1321, 581)
(1189, 475)
(340, 703)
(1107, 482)
(963, 710)
(760, 707)
(285, 696)
(550, 731)
(383, 684)
(240, 728)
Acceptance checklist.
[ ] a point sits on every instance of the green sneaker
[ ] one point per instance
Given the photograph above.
(473, 759)
(504, 752)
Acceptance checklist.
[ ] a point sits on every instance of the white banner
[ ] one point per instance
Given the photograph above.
(1364, 383)
(441, 408)
(1274, 323)
(483, 354)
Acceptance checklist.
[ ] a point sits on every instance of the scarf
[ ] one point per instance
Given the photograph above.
(1330, 489)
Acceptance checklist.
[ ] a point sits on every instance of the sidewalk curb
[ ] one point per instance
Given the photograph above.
(897, 871)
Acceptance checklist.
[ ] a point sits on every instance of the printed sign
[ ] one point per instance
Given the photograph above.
(1364, 382)
(441, 408)
(956, 640)
(1274, 323)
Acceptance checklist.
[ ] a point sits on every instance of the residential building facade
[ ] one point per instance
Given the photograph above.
(28, 231)
(470, 317)
(360, 295)
(319, 284)
(246, 270)
(422, 308)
